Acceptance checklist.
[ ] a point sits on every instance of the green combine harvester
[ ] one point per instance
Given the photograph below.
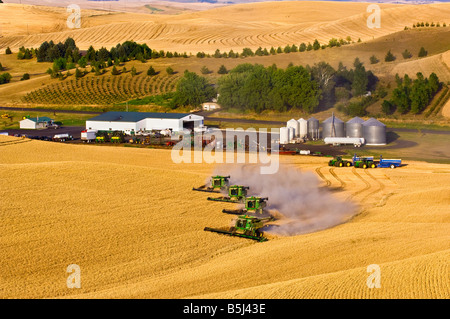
(363, 162)
(236, 194)
(253, 205)
(339, 162)
(246, 227)
(217, 183)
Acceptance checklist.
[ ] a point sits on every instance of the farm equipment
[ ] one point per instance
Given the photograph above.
(217, 183)
(339, 162)
(6, 116)
(253, 205)
(246, 227)
(363, 161)
(392, 163)
(236, 194)
(88, 136)
(62, 137)
(100, 139)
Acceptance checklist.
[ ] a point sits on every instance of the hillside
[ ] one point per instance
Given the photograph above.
(231, 27)
(129, 219)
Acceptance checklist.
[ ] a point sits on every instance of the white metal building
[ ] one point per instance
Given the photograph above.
(210, 106)
(129, 122)
(35, 122)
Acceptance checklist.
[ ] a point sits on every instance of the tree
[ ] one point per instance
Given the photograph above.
(302, 47)
(406, 54)
(360, 79)
(151, 71)
(192, 90)
(422, 52)
(316, 45)
(169, 70)
(1, 67)
(222, 70)
(389, 57)
(133, 71)
(114, 71)
(78, 73)
(26, 76)
(205, 70)
(82, 62)
(373, 59)
(387, 107)
(8, 51)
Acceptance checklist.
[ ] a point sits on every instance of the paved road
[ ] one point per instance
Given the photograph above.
(47, 110)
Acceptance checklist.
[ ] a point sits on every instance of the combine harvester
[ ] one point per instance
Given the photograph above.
(236, 194)
(246, 227)
(253, 205)
(217, 183)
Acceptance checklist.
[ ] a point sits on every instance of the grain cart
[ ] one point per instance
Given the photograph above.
(236, 194)
(392, 163)
(246, 227)
(339, 162)
(363, 162)
(217, 183)
(253, 205)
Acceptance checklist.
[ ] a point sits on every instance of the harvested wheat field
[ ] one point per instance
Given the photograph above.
(129, 219)
(234, 27)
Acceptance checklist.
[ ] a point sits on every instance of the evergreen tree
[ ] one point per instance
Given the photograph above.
(389, 57)
(422, 52)
(151, 71)
(222, 70)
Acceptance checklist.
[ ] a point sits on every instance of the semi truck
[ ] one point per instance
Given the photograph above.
(88, 136)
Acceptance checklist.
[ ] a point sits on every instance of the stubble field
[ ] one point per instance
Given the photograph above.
(129, 219)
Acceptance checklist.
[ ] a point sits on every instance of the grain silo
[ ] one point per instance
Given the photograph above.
(374, 132)
(291, 133)
(303, 127)
(333, 127)
(354, 128)
(284, 135)
(294, 125)
(313, 128)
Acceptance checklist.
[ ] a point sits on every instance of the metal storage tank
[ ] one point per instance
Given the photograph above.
(313, 128)
(353, 127)
(303, 128)
(295, 125)
(374, 132)
(291, 133)
(333, 127)
(284, 135)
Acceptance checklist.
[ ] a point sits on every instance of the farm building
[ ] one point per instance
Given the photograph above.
(35, 122)
(129, 122)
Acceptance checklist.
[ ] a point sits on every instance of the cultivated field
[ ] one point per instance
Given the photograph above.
(129, 219)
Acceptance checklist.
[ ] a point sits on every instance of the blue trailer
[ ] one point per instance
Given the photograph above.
(392, 163)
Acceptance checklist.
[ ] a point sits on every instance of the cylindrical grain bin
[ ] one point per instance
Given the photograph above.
(284, 135)
(295, 125)
(291, 133)
(333, 127)
(354, 128)
(303, 128)
(374, 132)
(313, 128)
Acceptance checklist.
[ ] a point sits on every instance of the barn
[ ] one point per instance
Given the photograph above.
(133, 122)
(35, 122)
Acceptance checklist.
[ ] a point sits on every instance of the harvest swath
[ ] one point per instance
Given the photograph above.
(102, 90)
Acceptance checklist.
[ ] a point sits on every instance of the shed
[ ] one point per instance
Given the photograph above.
(35, 122)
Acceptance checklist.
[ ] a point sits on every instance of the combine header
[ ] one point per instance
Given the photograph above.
(246, 226)
(236, 194)
(253, 205)
(217, 184)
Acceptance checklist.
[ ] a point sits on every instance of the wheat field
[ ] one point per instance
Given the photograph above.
(231, 27)
(129, 219)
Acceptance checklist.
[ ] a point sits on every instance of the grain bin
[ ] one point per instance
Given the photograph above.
(354, 128)
(313, 128)
(303, 127)
(284, 135)
(374, 132)
(333, 127)
(291, 133)
(294, 125)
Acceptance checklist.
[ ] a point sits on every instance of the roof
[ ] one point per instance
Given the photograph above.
(39, 119)
(333, 119)
(115, 116)
(373, 122)
(355, 120)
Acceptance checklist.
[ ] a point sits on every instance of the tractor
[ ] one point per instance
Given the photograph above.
(236, 194)
(339, 162)
(217, 183)
(246, 227)
(253, 205)
(6, 116)
(363, 162)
